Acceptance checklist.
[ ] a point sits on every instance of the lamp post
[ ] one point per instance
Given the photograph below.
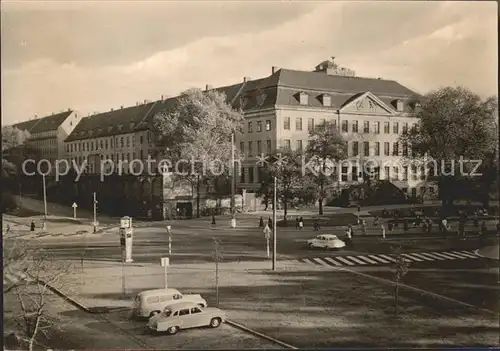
(95, 214)
(274, 225)
(233, 185)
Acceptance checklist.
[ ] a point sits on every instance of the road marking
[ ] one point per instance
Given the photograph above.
(456, 255)
(321, 262)
(308, 261)
(431, 255)
(422, 256)
(329, 259)
(388, 258)
(468, 254)
(355, 259)
(369, 260)
(442, 254)
(375, 257)
(340, 258)
(411, 258)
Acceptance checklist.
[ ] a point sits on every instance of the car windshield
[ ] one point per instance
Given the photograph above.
(167, 312)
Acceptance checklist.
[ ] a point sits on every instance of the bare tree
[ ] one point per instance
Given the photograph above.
(39, 274)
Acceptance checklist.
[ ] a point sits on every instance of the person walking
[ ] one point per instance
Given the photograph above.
(261, 222)
(297, 222)
(405, 224)
(316, 224)
(270, 223)
(32, 226)
(383, 231)
(375, 221)
(391, 226)
(301, 223)
(429, 225)
(348, 233)
(363, 226)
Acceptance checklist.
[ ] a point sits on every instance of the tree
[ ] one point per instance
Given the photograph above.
(401, 269)
(453, 123)
(326, 147)
(286, 166)
(40, 272)
(198, 131)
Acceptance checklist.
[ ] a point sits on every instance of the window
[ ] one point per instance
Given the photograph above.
(299, 145)
(111, 142)
(399, 105)
(376, 126)
(184, 312)
(322, 121)
(242, 147)
(259, 126)
(395, 149)
(404, 190)
(366, 148)
(414, 175)
(355, 148)
(344, 174)
(286, 144)
(386, 149)
(405, 149)
(268, 146)
(242, 175)
(133, 140)
(431, 190)
(259, 147)
(250, 175)
(395, 128)
(366, 127)
(250, 148)
(310, 124)
(395, 174)
(176, 313)
(345, 126)
(387, 171)
(141, 153)
(106, 144)
(386, 127)
(422, 173)
(334, 124)
(121, 142)
(269, 125)
(405, 172)
(128, 141)
(354, 126)
(141, 139)
(405, 127)
(304, 99)
(298, 123)
(286, 123)
(354, 173)
(327, 101)
(195, 310)
(377, 148)
(250, 127)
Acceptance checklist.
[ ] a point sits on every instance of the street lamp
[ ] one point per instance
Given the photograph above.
(274, 224)
(233, 185)
(95, 214)
(44, 225)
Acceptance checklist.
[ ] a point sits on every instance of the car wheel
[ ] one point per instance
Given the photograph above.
(172, 330)
(311, 246)
(215, 322)
(154, 313)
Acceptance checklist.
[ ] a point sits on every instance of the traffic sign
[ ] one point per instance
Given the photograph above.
(165, 261)
(74, 205)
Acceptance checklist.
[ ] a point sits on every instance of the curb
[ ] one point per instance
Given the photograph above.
(263, 336)
(418, 290)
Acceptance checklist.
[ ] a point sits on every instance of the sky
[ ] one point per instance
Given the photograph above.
(94, 56)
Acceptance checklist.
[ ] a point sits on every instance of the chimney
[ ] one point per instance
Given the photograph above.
(111, 109)
(275, 69)
(145, 101)
(246, 79)
(137, 103)
(208, 87)
(121, 107)
(162, 98)
(69, 109)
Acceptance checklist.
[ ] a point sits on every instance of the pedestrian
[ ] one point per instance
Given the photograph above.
(383, 231)
(444, 225)
(270, 222)
(213, 220)
(363, 226)
(429, 225)
(484, 229)
(7, 229)
(316, 225)
(301, 223)
(359, 208)
(297, 222)
(32, 226)
(261, 222)
(405, 224)
(348, 233)
(391, 226)
(424, 226)
(375, 221)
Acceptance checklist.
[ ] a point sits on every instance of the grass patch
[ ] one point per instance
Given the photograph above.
(23, 212)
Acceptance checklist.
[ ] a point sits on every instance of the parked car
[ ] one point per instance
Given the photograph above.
(185, 315)
(326, 241)
(150, 302)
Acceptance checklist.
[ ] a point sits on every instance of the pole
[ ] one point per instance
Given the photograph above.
(267, 247)
(217, 282)
(44, 226)
(95, 214)
(274, 225)
(74, 212)
(169, 243)
(233, 183)
(166, 285)
(123, 274)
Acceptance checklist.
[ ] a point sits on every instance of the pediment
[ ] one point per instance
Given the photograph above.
(367, 103)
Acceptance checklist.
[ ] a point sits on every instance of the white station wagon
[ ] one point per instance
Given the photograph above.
(152, 302)
(326, 241)
(185, 315)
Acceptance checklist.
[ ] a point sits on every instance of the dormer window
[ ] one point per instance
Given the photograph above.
(120, 127)
(132, 125)
(304, 98)
(99, 130)
(399, 105)
(261, 98)
(110, 128)
(327, 100)
(243, 101)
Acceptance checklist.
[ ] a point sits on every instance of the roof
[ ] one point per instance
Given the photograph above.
(158, 291)
(44, 124)
(181, 304)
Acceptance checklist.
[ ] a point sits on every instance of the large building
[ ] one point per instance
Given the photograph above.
(47, 134)
(279, 111)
